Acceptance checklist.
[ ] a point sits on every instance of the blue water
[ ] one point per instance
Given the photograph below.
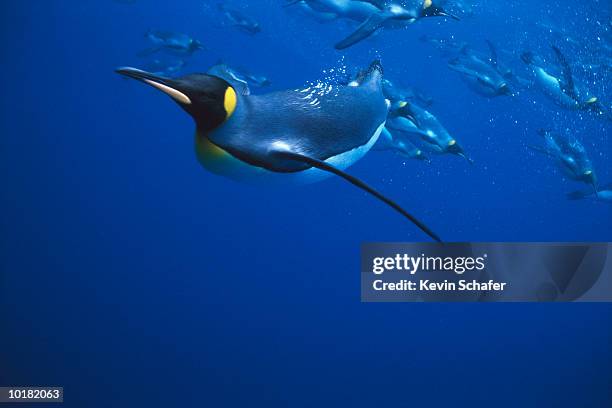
(132, 277)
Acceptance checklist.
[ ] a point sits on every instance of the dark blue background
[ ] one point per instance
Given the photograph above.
(134, 278)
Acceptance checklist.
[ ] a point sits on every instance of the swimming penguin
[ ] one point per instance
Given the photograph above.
(400, 145)
(374, 14)
(239, 20)
(223, 70)
(244, 80)
(483, 76)
(173, 43)
(562, 91)
(425, 129)
(300, 134)
(570, 155)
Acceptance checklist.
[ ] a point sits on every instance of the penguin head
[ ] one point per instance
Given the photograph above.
(210, 100)
(454, 147)
(504, 89)
(592, 104)
(494, 86)
(589, 177)
(195, 45)
(420, 155)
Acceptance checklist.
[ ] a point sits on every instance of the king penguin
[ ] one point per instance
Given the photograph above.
(302, 133)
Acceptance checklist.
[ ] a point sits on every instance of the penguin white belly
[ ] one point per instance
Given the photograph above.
(220, 162)
(475, 85)
(551, 87)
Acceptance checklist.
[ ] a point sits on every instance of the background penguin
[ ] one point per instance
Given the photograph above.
(239, 20)
(393, 15)
(570, 155)
(482, 75)
(224, 71)
(176, 44)
(400, 145)
(165, 67)
(427, 131)
(560, 90)
(300, 133)
(373, 14)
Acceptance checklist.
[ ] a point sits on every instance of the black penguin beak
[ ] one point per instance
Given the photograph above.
(166, 85)
(504, 89)
(466, 158)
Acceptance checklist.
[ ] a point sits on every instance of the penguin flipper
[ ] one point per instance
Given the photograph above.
(321, 165)
(568, 86)
(493, 52)
(527, 57)
(366, 29)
